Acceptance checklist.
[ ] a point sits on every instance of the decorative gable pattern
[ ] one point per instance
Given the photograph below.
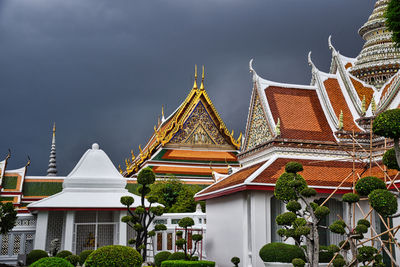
(258, 130)
(199, 129)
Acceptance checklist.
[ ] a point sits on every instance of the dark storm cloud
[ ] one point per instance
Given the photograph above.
(102, 69)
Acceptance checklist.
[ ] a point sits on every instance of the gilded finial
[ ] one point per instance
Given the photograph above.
(29, 162)
(202, 80)
(158, 122)
(195, 77)
(373, 106)
(162, 112)
(363, 106)
(54, 129)
(278, 128)
(120, 170)
(140, 149)
(340, 126)
(133, 155)
(126, 163)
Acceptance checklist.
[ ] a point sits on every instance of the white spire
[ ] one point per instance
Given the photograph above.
(52, 170)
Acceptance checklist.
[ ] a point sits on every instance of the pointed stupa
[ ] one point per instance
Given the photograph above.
(52, 170)
(378, 60)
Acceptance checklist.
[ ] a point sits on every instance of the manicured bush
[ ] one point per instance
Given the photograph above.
(364, 222)
(280, 252)
(160, 257)
(35, 255)
(127, 200)
(325, 254)
(361, 229)
(114, 255)
(186, 222)
(298, 262)
(146, 176)
(293, 206)
(383, 202)
(293, 167)
(53, 262)
(73, 259)
(176, 256)
(286, 218)
(366, 185)
(366, 253)
(338, 262)
(283, 189)
(182, 263)
(337, 228)
(321, 212)
(389, 159)
(308, 192)
(235, 261)
(63, 254)
(346, 246)
(387, 124)
(351, 198)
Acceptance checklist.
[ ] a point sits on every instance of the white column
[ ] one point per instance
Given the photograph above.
(41, 230)
(69, 229)
(123, 232)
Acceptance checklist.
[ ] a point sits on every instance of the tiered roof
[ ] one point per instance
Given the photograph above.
(316, 124)
(190, 143)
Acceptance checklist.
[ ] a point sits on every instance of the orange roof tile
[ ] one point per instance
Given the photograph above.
(236, 178)
(339, 104)
(199, 155)
(385, 89)
(187, 170)
(300, 114)
(363, 91)
(348, 65)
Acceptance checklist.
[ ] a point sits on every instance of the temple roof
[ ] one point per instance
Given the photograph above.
(195, 126)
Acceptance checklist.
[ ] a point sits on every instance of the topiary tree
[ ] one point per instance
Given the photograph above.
(235, 261)
(63, 254)
(182, 243)
(73, 259)
(176, 256)
(114, 255)
(8, 217)
(83, 256)
(387, 124)
(300, 222)
(140, 218)
(160, 257)
(280, 252)
(392, 15)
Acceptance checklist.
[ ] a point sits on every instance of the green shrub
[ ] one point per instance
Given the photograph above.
(114, 255)
(299, 222)
(186, 222)
(346, 246)
(127, 200)
(366, 253)
(63, 254)
(53, 262)
(351, 198)
(235, 261)
(389, 159)
(83, 256)
(283, 189)
(176, 256)
(308, 192)
(298, 262)
(293, 206)
(361, 229)
(325, 254)
(280, 252)
(293, 167)
(383, 202)
(286, 218)
(364, 222)
(73, 259)
(35, 255)
(321, 212)
(182, 263)
(146, 176)
(337, 228)
(387, 124)
(366, 185)
(338, 262)
(160, 257)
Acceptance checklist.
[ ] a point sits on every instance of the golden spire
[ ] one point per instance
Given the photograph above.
(202, 80)
(373, 106)
(54, 129)
(195, 77)
(162, 111)
(133, 155)
(120, 170)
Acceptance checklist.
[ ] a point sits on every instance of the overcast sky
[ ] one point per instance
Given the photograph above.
(101, 69)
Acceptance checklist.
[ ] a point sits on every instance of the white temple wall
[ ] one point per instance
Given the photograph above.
(226, 229)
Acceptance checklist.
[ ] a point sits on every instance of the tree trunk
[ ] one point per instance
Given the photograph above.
(353, 247)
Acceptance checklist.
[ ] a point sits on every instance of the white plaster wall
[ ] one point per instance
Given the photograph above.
(225, 228)
(396, 221)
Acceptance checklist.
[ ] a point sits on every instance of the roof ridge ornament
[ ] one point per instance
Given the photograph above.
(202, 80)
(363, 106)
(162, 113)
(195, 77)
(331, 47)
(252, 71)
(340, 125)
(52, 170)
(314, 69)
(278, 127)
(373, 106)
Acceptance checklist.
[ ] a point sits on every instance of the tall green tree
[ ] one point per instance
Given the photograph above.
(8, 217)
(141, 217)
(176, 196)
(393, 20)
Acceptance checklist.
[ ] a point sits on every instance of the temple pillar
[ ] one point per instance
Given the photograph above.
(69, 229)
(123, 231)
(41, 230)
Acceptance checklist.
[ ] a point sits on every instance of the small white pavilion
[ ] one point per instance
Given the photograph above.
(87, 213)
